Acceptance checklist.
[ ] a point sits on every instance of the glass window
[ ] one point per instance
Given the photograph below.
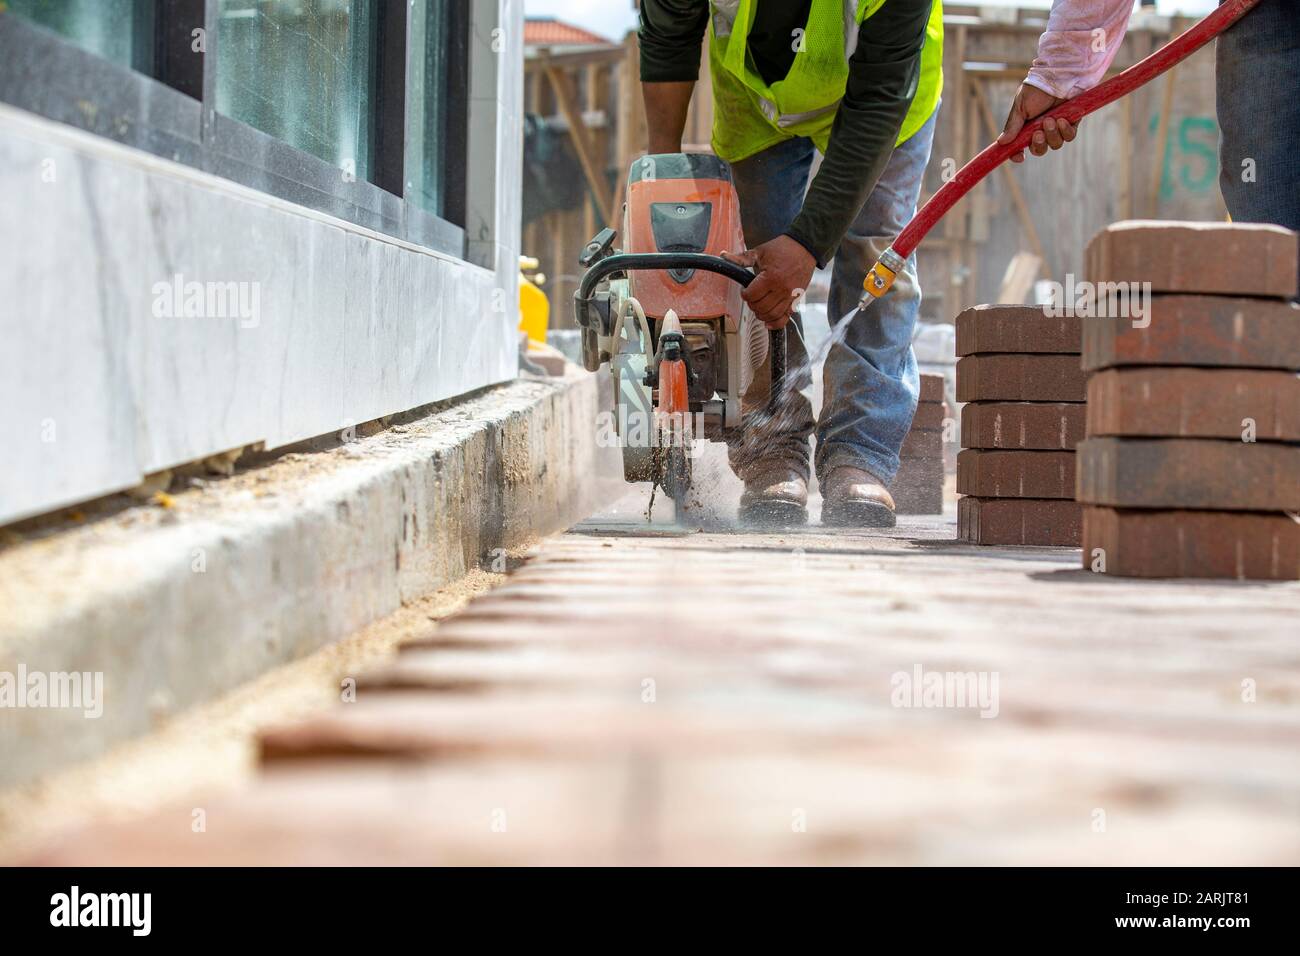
(427, 114)
(118, 30)
(302, 71)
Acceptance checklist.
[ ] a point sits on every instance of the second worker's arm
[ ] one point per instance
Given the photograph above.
(1080, 42)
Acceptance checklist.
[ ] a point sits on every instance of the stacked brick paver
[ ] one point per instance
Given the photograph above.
(717, 698)
(1191, 467)
(918, 487)
(1018, 373)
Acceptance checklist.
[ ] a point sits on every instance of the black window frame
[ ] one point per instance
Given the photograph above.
(172, 114)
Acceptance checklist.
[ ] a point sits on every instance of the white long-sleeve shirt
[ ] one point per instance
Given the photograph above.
(1079, 45)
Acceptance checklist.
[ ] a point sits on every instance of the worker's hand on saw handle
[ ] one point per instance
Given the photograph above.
(784, 269)
(1030, 103)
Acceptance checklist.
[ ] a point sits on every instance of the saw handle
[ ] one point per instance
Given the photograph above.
(632, 261)
(649, 261)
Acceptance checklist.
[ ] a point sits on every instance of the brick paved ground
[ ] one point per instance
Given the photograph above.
(656, 695)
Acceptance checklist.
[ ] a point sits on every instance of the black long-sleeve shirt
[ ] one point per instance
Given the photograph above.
(883, 74)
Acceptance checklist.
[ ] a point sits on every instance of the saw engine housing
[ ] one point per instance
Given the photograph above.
(680, 213)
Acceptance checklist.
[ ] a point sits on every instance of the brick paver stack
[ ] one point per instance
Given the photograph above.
(918, 487)
(1018, 373)
(1192, 460)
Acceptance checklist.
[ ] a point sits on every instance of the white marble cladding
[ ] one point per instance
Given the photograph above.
(100, 386)
(510, 136)
(495, 133)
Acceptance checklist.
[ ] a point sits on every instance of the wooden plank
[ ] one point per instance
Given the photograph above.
(1127, 200)
(567, 99)
(1014, 45)
(1018, 280)
(1013, 186)
(699, 124)
(597, 140)
(543, 59)
(630, 134)
(1157, 159)
(954, 225)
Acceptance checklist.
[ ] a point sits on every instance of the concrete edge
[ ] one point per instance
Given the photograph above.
(175, 606)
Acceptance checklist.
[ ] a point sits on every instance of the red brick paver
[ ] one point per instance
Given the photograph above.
(987, 473)
(1020, 378)
(1189, 473)
(1025, 521)
(1216, 258)
(918, 487)
(1259, 404)
(1193, 544)
(926, 443)
(929, 416)
(1199, 330)
(1041, 426)
(1017, 328)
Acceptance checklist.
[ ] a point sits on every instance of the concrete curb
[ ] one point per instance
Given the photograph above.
(176, 606)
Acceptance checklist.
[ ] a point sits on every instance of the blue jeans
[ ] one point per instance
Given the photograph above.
(871, 383)
(1257, 74)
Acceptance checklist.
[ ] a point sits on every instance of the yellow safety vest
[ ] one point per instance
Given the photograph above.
(749, 115)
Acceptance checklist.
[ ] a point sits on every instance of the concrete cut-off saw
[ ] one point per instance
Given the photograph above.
(665, 312)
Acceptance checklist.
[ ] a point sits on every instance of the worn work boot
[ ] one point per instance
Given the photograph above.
(854, 498)
(775, 496)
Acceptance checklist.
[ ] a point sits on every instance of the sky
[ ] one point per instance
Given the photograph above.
(613, 18)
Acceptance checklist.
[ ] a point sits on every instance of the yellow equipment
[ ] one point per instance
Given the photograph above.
(534, 307)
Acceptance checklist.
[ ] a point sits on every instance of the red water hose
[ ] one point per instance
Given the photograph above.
(881, 276)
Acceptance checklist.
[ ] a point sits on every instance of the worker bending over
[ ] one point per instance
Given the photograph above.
(859, 81)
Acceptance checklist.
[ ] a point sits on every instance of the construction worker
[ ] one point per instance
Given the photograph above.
(1257, 69)
(859, 81)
